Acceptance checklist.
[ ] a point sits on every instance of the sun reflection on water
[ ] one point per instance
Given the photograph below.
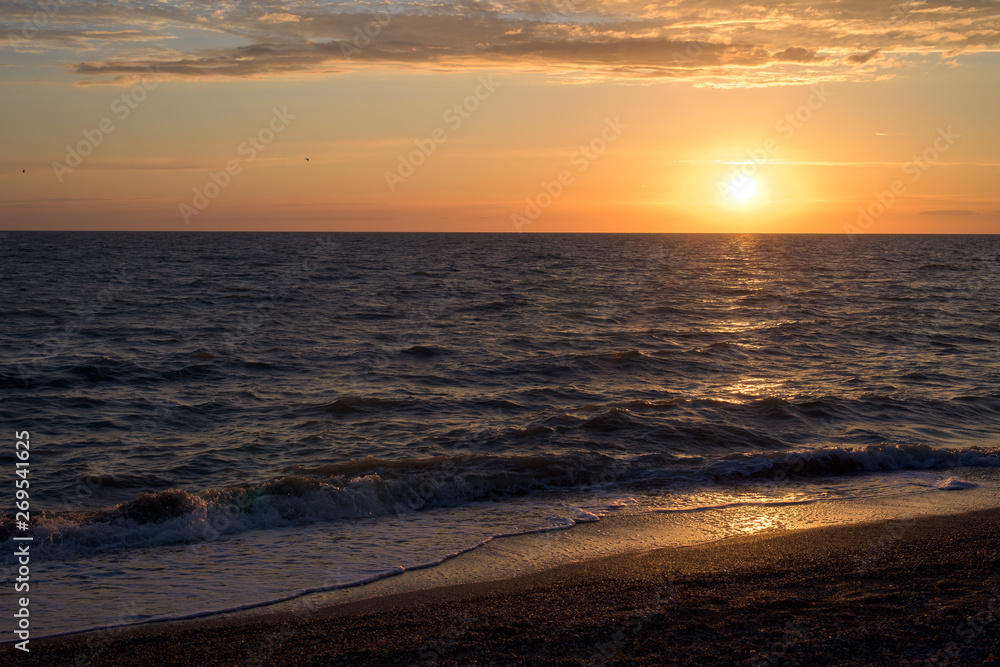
(753, 386)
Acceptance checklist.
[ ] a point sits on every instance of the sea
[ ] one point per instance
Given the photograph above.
(220, 421)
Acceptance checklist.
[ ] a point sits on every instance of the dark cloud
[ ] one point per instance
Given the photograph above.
(699, 40)
(797, 54)
(862, 58)
(79, 38)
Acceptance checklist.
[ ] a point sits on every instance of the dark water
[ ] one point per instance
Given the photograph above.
(180, 388)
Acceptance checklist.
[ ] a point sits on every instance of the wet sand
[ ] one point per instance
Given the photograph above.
(911, 592)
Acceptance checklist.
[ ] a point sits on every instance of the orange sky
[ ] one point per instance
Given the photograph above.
(573, 115)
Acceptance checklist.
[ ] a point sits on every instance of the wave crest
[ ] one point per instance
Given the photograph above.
(369, 488)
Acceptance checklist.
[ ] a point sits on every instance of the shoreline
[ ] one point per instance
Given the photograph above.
(890, 592)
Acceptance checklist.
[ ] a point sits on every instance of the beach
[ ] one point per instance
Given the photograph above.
(911, 592)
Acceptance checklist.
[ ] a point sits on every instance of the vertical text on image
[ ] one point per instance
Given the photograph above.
(22, 536)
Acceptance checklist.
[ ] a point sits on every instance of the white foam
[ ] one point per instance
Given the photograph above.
(956, 484)
(301, 500)
(260, 567)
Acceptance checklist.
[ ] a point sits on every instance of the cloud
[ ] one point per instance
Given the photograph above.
(278, 17)
(949, 212)
(713, 42)
(862, 58)
(78, 39)
(797, 54)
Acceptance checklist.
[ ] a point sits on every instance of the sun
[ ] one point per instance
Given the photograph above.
(742, 188)
(740, 191)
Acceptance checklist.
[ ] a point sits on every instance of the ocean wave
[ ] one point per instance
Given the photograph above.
(832, 461)
(361, 404)
(372, 487)
(425, 351)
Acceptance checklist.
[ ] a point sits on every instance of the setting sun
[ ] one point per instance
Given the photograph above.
(742, 188)
(739, 191)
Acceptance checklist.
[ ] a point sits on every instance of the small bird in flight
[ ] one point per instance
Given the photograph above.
(307, 159)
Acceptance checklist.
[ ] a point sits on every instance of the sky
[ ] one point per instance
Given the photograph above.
(834, 116)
